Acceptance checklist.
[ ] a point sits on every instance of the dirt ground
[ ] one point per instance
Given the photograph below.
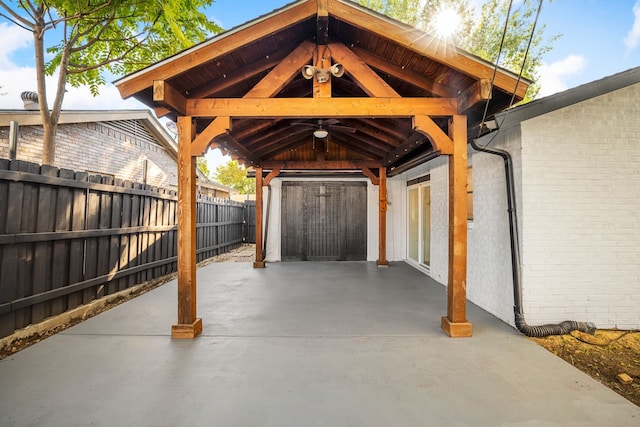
(603, 356)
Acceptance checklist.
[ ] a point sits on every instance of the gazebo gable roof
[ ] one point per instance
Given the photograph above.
(382, 58)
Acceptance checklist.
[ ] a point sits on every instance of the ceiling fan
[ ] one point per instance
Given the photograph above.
(322, 127)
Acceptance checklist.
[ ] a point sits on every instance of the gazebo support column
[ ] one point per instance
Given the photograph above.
(188, 325)
(455, 324)
(259, 262)
(382, 219)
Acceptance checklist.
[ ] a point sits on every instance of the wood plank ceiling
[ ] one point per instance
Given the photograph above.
(403, 61)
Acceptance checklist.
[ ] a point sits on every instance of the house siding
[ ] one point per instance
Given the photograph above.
(98, 148)
(581, 226)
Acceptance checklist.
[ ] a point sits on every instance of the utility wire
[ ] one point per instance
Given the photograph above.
(495, 67)
(524, 61)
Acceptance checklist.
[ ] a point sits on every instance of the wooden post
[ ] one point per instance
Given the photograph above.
(382, 219)
(188, 325)
(455, 323)
(259, 262)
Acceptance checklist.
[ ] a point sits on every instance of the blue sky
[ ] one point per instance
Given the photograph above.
(599, 38)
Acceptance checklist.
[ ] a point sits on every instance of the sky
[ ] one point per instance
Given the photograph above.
(599, 38)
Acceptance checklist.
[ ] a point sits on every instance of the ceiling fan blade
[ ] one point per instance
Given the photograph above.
(341, 128)
(310, 125)
(331, 122)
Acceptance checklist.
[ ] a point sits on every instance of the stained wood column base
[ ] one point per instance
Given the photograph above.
(186, 331)
(259, 264)
(456, 330)
(383, 264)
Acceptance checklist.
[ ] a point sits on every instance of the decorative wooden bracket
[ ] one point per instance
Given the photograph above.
(374, 179)
(267, 179)
(440, 141)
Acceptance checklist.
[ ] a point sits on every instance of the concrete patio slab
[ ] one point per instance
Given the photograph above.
(300, 344)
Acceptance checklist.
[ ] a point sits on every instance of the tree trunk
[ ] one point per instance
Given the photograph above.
(48, 143)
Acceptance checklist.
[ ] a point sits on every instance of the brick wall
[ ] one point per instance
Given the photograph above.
(96, 147)
(581, 212)
(489, 278)
(438, 169)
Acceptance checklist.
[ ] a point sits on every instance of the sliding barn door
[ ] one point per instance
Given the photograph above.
(324, 221)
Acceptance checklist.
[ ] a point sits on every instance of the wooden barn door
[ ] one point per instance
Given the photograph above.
(324, 221)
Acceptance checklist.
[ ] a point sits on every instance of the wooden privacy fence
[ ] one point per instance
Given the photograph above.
(67, 238)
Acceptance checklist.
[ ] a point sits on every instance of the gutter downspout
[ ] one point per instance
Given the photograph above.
(266, 224)
(531, 331)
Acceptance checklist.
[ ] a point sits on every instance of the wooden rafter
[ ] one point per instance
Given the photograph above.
(238, 149)
(241, 74)
(404, 74)
(405, 149)
(371, 83)
(215, 48)
(270, 85)
(362, 148)
(424, 44)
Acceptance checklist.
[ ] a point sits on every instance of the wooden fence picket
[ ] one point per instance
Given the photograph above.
(67, 238)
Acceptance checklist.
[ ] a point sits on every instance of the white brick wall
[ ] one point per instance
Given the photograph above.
(97, 148)
(581, 197)
(397, 221)
(489, 278)
(577, 179)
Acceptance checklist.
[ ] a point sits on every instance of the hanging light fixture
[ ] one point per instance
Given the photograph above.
(320, 133)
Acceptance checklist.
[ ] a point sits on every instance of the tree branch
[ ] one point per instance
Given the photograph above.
(17, 19)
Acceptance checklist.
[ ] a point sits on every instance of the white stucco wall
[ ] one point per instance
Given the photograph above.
(581, 213)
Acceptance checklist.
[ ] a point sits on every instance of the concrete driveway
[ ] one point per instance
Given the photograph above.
(300, 344)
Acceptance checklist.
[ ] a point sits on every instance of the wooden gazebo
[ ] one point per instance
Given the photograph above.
(391, 96)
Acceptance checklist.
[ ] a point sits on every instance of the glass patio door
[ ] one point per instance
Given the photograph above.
(419, 225)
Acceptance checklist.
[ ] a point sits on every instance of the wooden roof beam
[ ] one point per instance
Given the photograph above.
(233, 146)
(478, 92)
(169, 97)
(371, 83)
(359, 147)
(416, 140)
(239, 75)
(426, 45)
(322, 27)
(377, 125)
(215, 48)
(321, 108)
(411, 77)
(325, 165)
(270, 85)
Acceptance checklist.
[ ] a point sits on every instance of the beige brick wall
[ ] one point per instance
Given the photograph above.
(96, 147)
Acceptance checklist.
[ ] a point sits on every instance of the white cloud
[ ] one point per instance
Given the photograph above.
(633, 38)
(12, 38)
(552, 76)
(21, 79)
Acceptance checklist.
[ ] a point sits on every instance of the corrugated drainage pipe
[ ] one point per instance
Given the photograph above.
(530, 331)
